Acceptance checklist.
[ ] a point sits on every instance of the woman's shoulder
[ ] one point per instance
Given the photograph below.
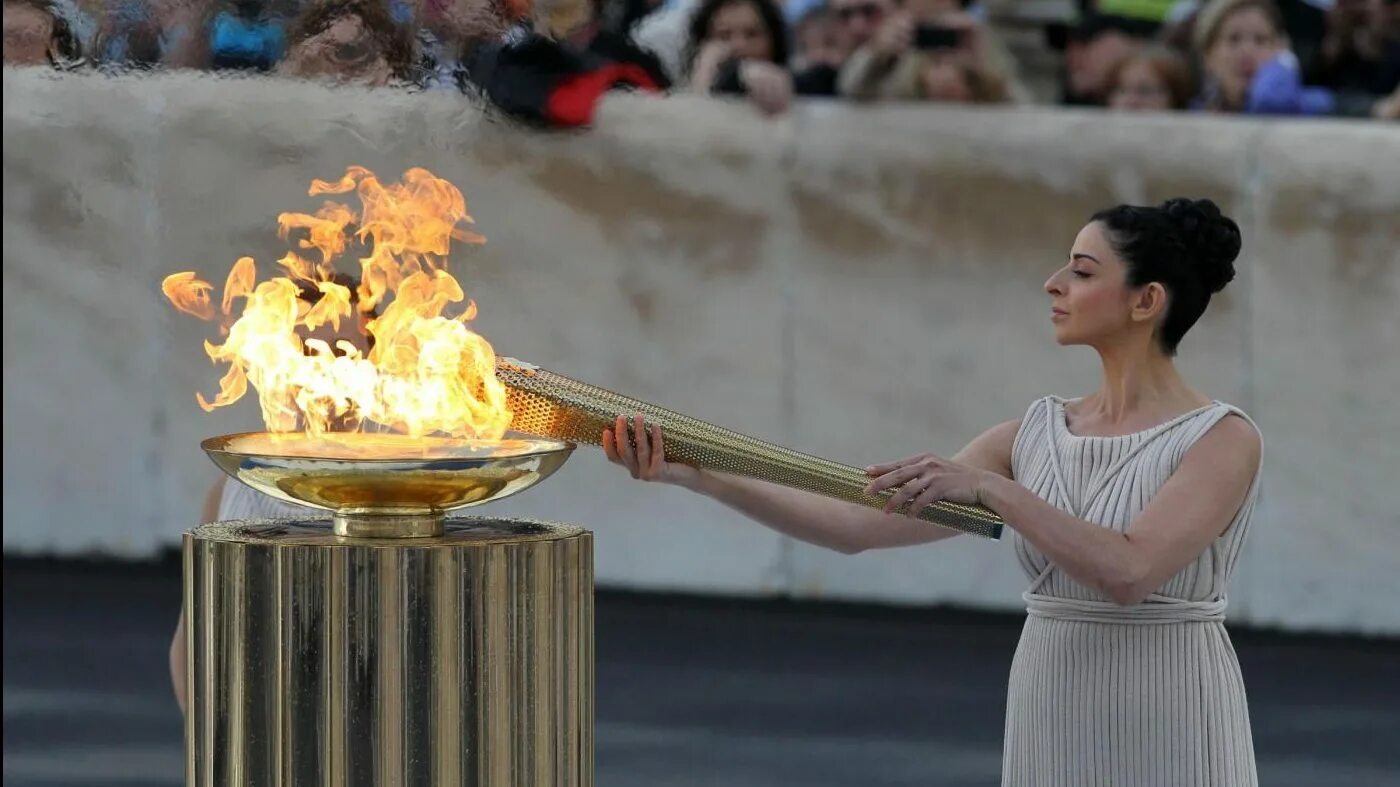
(1235, 425)
(1229, 445)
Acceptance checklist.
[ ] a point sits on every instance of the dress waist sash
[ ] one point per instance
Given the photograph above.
(1155, 610)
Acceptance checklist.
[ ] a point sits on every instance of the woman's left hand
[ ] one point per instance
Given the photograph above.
(926, 479)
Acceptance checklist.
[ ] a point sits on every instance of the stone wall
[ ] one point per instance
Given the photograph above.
(856, 283)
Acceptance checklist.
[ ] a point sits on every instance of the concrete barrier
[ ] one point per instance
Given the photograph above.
(856, 283)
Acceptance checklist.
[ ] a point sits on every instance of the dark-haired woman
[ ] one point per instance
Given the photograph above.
(1128, 505)
(739, 47)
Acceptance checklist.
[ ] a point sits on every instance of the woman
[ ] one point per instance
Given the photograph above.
(739, 47)
(1128, 508)
(1150, 80)
(1248, 66)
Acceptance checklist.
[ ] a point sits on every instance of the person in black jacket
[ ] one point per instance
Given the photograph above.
(558, 82)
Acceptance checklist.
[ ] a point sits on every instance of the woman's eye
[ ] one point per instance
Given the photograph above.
(1080, 274)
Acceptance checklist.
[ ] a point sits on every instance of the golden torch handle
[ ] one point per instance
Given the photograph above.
(546, 404)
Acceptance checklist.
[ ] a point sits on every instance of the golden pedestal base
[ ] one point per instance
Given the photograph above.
(460, 659)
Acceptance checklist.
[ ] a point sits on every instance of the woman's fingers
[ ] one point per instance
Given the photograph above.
(658, 450)
(931, 494)
(610, 446)
(624, 448)
(904, 495)
(881, 469)
(637, 446)
(893, 478)
(639, 430)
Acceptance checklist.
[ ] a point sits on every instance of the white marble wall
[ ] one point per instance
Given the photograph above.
(860, 284)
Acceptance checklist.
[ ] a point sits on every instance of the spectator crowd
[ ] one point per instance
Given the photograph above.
(550, 60)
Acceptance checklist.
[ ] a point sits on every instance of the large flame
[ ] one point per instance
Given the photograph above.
(426, 373)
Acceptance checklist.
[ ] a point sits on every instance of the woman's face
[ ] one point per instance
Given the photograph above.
(345, 51)
(1140, 88)
(739, 26)
(1247, 39)
(1089, 296)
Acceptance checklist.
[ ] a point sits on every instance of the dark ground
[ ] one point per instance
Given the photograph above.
(690, 691)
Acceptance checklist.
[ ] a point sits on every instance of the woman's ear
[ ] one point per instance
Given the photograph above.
(1150, 302)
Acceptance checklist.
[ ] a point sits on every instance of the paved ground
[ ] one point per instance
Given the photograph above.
(690, 692)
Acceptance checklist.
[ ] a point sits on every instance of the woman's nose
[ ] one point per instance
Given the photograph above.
(1052, 285)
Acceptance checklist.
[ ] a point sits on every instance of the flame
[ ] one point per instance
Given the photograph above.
(427, 373)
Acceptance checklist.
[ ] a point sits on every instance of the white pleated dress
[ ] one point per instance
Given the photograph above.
(1103, 695)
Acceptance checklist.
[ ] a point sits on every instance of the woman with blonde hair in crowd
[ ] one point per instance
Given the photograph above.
(1248, 65)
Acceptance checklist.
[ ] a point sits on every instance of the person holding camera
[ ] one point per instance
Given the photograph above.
(931, 50)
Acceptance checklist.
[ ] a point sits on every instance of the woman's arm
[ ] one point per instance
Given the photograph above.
(835, 524)
(1190, 511)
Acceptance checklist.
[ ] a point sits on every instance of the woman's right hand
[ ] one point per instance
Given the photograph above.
(769, 86)
(647, 461)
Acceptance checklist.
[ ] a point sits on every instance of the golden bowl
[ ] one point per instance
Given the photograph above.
(386, 485)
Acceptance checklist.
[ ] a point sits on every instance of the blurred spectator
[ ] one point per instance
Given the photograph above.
(1094, 46)
(446, 28)
(557, 80)
(944, 75)
(1151, 79)
(1303, 23)
(348, 41)
(820, 40)
(129, 35)
(145, 33)
(1387, 108)
(36, 35)
(248, 34)
(1359, 57)
(740, 47)
(931, 50)
(665, 32)
(1248, 65)
(822, 47)
(862, 19)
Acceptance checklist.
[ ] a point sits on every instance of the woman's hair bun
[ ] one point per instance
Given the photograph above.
(1212, 240)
